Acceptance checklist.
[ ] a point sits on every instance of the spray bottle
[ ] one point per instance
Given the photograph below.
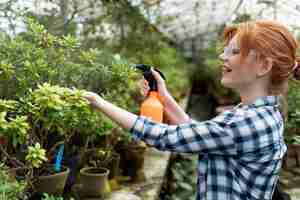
(151, 107)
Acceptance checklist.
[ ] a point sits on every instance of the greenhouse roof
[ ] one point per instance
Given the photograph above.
(189, 23)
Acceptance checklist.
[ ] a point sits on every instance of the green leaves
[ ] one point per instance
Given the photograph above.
(61, 109)
(14, 128)
(9, 189)
(51, 197)
(184, 178)
(36, 155)
(293, 118)
(6, 70)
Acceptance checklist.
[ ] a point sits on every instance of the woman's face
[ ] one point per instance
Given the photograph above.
(237, 74)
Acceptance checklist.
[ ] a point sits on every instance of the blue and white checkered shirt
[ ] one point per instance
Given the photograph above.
(242, 149)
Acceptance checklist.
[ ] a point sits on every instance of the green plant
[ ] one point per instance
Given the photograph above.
(63, 111)
(292, 124)
(13, 127)
(36, 155)
(51, 197)
(100, 157)
(183, 178)
(10, 189)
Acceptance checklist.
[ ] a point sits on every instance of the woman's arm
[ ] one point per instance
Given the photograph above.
(174, 112)
(122, 117)
(209, 136)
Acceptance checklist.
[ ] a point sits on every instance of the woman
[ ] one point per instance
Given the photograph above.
(243, 147)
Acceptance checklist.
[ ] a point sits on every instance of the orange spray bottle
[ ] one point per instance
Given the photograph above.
(151, 107)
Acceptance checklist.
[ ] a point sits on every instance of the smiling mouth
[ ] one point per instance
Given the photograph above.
(226, 69)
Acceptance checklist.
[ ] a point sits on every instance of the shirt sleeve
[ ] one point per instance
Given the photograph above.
(209, 136)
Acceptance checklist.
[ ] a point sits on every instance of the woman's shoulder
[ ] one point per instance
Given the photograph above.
(250, 113)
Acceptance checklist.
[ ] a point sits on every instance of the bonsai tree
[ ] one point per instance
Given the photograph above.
(58, 113)
(15, 129)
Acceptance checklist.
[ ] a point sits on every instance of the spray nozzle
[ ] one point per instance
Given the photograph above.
(146, 69)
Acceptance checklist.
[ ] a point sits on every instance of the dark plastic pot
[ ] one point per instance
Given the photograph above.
(132, 161)
(94, 181)
(52, 184)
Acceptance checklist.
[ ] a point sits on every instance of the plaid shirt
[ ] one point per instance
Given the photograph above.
(242, 149)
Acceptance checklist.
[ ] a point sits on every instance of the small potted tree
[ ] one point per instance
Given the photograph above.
(55, 114)
(132, 154)
(99, 161)
(16, 128)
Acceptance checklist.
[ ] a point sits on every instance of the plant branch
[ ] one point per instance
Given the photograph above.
(10, 157)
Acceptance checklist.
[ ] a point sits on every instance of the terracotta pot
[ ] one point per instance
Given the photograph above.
(94, 181)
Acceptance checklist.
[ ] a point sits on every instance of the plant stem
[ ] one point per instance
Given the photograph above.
(11, 158)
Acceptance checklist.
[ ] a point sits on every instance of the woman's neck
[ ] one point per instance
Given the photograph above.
(250, 94)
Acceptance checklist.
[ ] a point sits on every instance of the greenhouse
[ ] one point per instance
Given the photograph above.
(149, 100)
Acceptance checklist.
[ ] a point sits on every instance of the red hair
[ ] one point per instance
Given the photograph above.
(269, 39)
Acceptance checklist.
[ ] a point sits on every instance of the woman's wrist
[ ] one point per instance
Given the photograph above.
(167, 100)
(98, 103)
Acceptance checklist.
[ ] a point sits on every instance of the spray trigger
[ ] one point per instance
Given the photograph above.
(146, 70)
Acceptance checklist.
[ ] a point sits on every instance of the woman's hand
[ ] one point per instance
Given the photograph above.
(161, 86)
(93, 99)
(119, 115)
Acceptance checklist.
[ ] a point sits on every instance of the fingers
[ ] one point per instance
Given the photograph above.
(90, 96)
(157, 76)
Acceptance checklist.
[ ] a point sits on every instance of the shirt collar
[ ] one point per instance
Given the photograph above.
(262, 101)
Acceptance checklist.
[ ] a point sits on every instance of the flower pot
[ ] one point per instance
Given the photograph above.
(18, 173)
(52, 184)
(94, 181)
(112, 163)
(132, 161)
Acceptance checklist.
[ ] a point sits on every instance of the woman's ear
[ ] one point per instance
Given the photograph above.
(265, 67)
